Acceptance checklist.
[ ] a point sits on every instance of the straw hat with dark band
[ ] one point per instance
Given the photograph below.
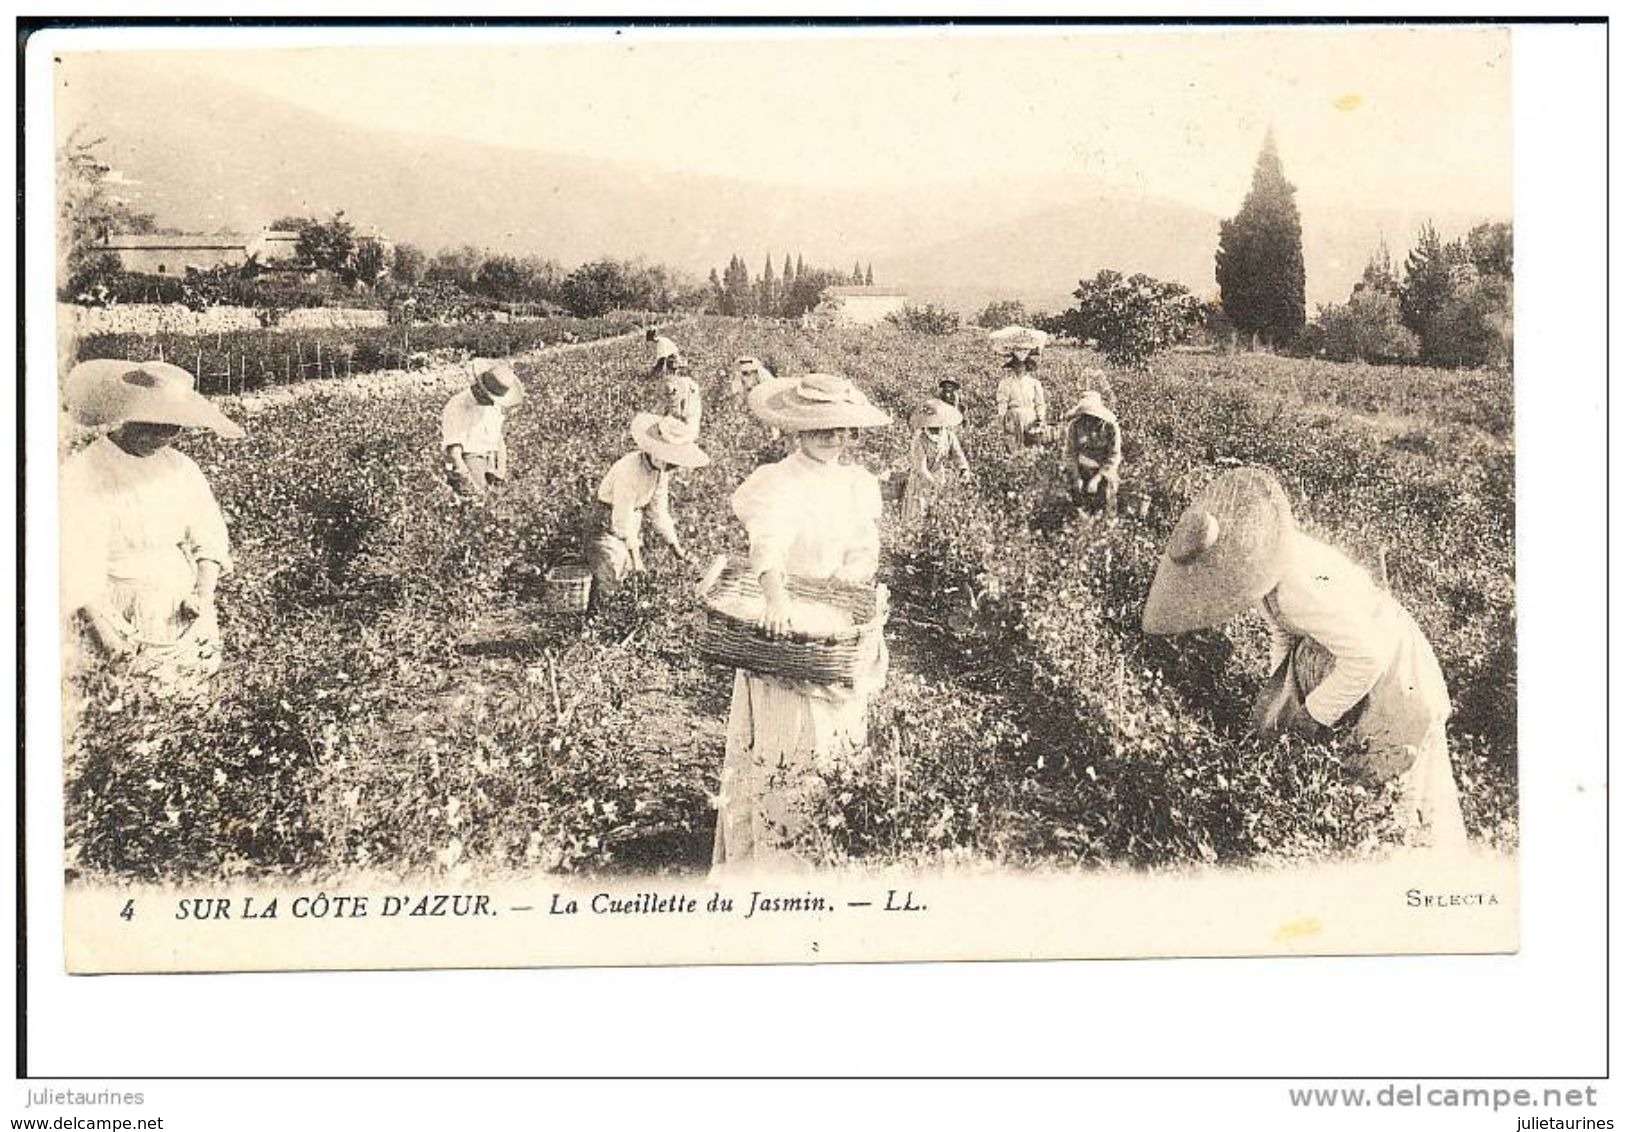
(936, 414)
(497, 381)
(814, 401)
(1227, 551)
(669, 439)
(109, 391)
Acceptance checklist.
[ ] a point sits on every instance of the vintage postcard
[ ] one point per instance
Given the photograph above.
(726, 494)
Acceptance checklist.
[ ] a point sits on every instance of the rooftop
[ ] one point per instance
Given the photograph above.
(130, 240)
(865, 292)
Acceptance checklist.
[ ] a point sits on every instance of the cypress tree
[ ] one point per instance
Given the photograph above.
(1259, 263)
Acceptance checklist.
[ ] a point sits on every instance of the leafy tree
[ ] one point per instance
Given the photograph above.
(808, 289)
(1004, 312)
(370, 262)
(505, 278)
(329, 246)
(1259, 263)
(409, 265)
(87, 209)
(1474, 327)
(596, 288)
(1366, 328)
(1489, 246)
(291, 223)
(1132, 318)
(456, 266)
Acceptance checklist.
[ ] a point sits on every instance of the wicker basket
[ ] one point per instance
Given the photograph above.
(894, 487)
(836, 657)
(1042, 434)
(567, 588)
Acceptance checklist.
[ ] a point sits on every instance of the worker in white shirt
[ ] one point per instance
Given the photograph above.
(679, 393)
(1344, 653)
(664, 349)
(639, 484)
(471, 428)
(1020, 399)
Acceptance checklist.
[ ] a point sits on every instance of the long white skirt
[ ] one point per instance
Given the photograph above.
(782, 739)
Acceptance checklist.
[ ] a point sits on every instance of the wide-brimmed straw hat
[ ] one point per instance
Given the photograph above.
(1092, 404)
(670, 439)
(111, 391)
(498, 381)
(936, 414)
(1227, 551)
(1020, 340)
(814, 401)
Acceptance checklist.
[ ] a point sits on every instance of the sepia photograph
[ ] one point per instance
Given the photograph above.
(768, 494)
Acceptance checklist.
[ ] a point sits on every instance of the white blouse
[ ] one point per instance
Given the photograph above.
(1023, 392)
(476, 428)
(630, 487)
(1326, 596)
(811, 519)
(124, 518)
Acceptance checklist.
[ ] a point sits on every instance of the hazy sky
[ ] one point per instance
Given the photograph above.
(1364, 117)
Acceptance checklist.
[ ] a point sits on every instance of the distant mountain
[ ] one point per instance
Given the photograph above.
(230, 157)
(226, 157)
(1039, 258)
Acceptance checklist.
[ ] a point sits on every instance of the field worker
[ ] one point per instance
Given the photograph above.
(680, 393)
(471, 428)
(934, 455)
(949, 393)
(143, 541)
(1343, 652)
(808, 515)
(1091, 455)
(1020, 400)
(748, 373)
(638, 483)
(664, 348)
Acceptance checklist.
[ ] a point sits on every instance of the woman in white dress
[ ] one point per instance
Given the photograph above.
(1344, 653)
(144, 542)
(814, 516)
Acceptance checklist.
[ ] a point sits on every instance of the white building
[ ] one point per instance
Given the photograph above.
(860, 306)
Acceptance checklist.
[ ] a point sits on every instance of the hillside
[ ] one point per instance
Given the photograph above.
(237, 158)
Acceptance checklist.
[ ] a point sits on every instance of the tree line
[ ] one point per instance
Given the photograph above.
(795, 290)
(1451, 305)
